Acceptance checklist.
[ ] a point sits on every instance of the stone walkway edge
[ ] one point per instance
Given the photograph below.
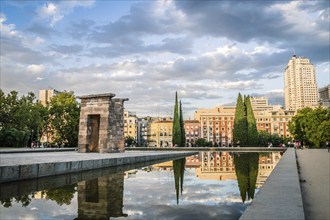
(280, 196)
(23, 171)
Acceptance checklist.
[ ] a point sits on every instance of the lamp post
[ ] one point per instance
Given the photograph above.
(32, 138)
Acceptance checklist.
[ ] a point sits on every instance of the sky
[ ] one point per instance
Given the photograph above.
(207, 51)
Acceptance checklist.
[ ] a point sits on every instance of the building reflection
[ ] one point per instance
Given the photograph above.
(220, 166)
(101, 198)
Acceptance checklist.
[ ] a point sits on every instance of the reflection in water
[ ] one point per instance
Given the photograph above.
(246, 165)
(211, 190)
(178, 167)
(101, 198)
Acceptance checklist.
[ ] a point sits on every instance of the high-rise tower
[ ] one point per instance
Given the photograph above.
(300, 87)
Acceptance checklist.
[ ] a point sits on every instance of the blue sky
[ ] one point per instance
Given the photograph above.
(208, 51)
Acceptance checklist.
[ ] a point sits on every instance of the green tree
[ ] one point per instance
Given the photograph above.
(64, 113)
(176, 130)
(252, 133)
(183, 132)
(240, 123)
(129, 141)
(311, 126)
(20, 118)
(201, 142)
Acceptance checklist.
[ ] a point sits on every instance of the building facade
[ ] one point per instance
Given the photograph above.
(142, 130)
(192, 129)
(45, 95)
(130, 125)
(300, 87)
(160, 133)
(216, 124)
(324, 94)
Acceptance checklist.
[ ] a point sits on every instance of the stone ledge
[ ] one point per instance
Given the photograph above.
(37, 170)
(280, 196)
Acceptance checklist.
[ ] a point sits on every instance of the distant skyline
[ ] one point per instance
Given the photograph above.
(208, 51)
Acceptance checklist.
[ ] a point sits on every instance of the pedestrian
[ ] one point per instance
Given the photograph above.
(327, 143)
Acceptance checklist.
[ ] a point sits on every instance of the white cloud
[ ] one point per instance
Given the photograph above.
(6, 30)
(36, 69)
(56, 12)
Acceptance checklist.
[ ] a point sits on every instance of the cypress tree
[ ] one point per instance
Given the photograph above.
(240, 123)
(183, 132)
(251, 123)
(176, 130)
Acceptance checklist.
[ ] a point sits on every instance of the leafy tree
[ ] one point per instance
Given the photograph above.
(240, 123)
(129, 141)
(64, 113)
(252, 133)
(176, 131)
(183, 132)
(20, 118)
(311, 126)
(201, 142)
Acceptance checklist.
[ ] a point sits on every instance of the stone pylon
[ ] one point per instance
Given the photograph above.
(101, 125)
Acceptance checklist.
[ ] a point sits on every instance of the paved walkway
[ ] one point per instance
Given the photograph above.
(280, 196)
(314, 177)
(15, 159)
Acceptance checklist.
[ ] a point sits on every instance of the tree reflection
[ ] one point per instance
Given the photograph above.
(178, 167)
(25, 200)
(62, 195)
(246, 166)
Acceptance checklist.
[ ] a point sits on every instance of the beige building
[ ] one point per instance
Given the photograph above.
(45, 95)
(324, 93)
(192, 129)
(216, 124)
(300, 87)
(160, 133)
(130, 125)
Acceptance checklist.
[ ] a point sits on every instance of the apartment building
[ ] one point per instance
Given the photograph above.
(142, 130)
(192, 129)
(45, 95)
(324, 94)
(300, 87)
(160, 133)
(216, 124)
(130, 125)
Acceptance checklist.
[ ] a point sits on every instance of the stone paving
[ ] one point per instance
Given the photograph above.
(314, 174)
(21, 166)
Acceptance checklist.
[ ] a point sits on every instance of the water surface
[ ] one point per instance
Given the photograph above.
(210, 185)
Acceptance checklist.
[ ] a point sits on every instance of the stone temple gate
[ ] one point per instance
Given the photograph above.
(101, 124)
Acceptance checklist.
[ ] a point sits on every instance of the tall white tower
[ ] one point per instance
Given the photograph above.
(300, 87)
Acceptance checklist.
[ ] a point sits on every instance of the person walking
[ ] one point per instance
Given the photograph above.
(327, 143)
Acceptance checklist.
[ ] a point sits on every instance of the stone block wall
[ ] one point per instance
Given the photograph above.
(111, 123)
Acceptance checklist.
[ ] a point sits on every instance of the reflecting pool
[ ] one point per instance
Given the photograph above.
(208, 185)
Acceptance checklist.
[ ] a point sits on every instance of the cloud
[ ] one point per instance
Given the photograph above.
(55, 12)
(74, 49)
(35, 69)
(7, 30)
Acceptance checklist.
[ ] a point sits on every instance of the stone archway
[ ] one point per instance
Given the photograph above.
(101, 124)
